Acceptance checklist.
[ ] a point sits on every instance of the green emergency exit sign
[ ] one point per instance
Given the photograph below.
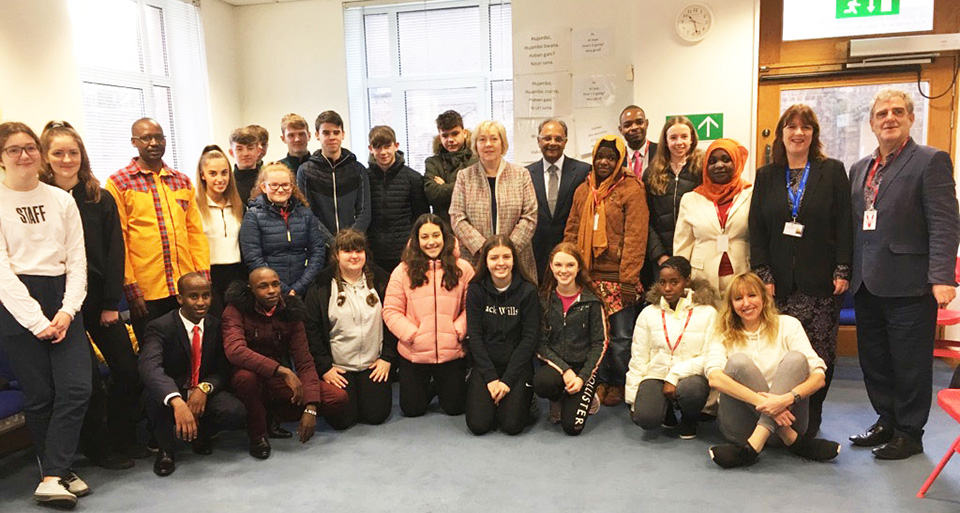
(709, 126)
(865, 8)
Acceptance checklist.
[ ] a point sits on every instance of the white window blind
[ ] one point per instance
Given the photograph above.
(407, 63)
(140, 58)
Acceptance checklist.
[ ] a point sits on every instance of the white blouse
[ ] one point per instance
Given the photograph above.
(222, 230)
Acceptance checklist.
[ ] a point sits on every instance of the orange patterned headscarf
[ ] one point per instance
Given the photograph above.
(724, 193)
(592, 235)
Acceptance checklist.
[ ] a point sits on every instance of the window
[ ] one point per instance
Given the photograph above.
(407, 63)
(140, 58)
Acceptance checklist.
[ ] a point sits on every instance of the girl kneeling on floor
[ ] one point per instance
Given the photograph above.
(424, 308)
(765, 370)
(503, 322)
(572, 340)
(669, 344)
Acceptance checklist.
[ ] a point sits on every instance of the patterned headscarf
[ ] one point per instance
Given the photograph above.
(593, 241)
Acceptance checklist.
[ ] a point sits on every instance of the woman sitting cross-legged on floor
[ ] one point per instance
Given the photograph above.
(669, 345)
(765, 370)
(573, 340)
(503, 321)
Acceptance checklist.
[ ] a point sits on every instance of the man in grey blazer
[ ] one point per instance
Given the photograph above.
(555, 178)
(906, 232)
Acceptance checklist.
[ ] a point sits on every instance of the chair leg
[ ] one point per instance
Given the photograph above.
(936, 472)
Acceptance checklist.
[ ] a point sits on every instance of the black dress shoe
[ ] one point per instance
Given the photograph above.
(899, 448)
(117, 461)
(202, 446)
(260, 448)
(875, 435)
(274, 430)
(164, 465)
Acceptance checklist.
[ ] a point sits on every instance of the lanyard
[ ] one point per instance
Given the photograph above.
(663, 316)
(795, 198)
(872, 188)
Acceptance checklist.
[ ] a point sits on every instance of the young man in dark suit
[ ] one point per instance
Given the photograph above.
(906, 231)
(185, 374)
(555, 178)
(640, 150)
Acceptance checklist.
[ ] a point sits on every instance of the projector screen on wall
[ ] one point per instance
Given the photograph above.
(818, 19)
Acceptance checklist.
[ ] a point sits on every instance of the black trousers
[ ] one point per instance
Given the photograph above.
(448, 382)
(574, 408)
(650, 405)
(111, 419)
(224, 411)
(895, 344)
(512, 414)
(613, 368)
(155, 308)
(367, 402)
(55, 377)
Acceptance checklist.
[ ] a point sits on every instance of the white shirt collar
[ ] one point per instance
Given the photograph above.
(189, 325)
(558, 163)
(643, 150)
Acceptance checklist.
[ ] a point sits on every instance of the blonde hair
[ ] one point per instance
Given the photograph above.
(490, 127)
(213, 152)
(294, 121)
(729, 324)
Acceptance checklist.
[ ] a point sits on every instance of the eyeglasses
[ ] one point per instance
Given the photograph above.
(14, 152)
(147, 139)
(279, 186)
(551, 138)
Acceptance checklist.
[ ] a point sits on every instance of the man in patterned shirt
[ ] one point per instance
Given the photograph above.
(163, 236)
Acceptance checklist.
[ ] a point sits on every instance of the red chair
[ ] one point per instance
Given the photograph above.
(947, 348)
(949, 400)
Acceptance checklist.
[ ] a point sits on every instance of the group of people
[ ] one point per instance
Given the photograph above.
(268, 293)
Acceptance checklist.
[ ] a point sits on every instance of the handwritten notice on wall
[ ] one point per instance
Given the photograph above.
(543, 52)
(594, 91)
(544, 95)
(592, 125)
(594, 43)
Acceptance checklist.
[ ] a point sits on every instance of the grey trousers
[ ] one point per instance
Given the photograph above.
(651, 405)
(738, 419)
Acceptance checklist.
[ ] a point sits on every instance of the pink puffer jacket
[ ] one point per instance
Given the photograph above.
(430, 321)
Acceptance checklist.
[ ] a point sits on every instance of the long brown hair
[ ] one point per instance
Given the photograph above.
(53, 129)
(730, 325)
(278, 167)
(549, 284)
(350, 239)
(806, 116)
(496, 241)
(660, 173)
(418, 262)
(209, 153)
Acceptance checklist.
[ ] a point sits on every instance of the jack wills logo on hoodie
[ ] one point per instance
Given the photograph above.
(503, 310)
(32, 215)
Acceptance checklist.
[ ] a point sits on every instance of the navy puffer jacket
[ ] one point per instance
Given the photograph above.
(397, 200)
(292, 247)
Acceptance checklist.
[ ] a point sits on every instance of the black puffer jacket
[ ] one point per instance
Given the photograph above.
(576, 339)
(503, 329)
(446, 165)
(397, 200)
(339, 194)
(664, 208)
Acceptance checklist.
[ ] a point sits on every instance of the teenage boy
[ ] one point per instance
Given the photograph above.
(185, 374)
(452, 153)
(295, 133)
(397, 199)
(263, 140)
(335, 184)
(245, 150)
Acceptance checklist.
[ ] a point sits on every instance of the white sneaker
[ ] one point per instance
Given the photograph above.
(54, 493)
(554, 417)
(76, 485)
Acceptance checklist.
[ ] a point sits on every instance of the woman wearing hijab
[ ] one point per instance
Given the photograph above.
(801, 236)
(713, 223)
(608, 222)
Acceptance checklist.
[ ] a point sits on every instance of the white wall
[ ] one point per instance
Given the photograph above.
(223, 60)
(291, 59)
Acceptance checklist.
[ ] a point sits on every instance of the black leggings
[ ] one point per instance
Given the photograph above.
(574, 408)
(513, 412)
(449, 384)
(367, 402)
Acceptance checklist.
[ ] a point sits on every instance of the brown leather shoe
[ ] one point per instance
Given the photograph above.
(614, 396)
(602, 391)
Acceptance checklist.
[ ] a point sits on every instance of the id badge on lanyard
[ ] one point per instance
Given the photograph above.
(793, 228)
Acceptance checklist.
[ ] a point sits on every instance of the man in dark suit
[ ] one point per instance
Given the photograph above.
(185, 374)
(633, 128)
(906, 231)
(555, 178)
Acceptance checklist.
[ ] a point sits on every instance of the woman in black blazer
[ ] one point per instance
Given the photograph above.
(801, 236)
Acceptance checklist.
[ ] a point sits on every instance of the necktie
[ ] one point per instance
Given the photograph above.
(195, 357)
(637, 165)
(553, 187)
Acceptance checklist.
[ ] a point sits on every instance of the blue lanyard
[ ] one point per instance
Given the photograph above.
(795, 198)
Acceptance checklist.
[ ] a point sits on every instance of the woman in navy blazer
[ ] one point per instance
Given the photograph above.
(801, 236)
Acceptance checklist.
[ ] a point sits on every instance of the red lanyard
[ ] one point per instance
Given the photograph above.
(663, 316)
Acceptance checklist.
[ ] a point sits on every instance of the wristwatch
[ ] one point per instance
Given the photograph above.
(796, 398)
(205, 387)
